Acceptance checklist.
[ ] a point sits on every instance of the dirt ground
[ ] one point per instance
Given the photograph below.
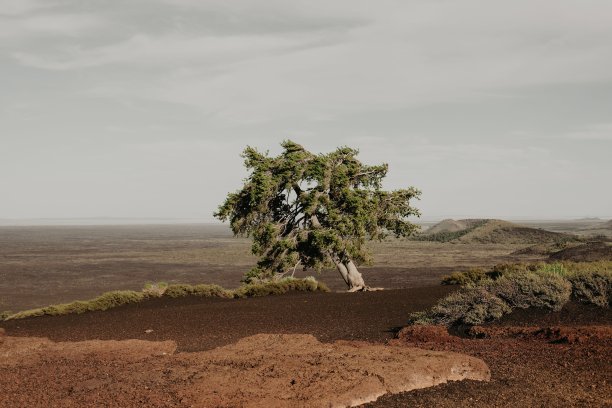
(54, 264)
(525, 371)
(563, 365)
(536, 358)
(265, 370)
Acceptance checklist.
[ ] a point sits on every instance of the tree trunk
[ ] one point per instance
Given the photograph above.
(343, 271)
(355, 279)
(347, 268)
(350, 274)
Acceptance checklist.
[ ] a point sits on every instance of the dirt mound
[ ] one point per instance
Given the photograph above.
(425, 334)
(527, 372)
(504, 232)
(259, 371)
(590, 251)
(483, 231)
(545, 249)
(449, 225)
(554, 334)
(290, 370)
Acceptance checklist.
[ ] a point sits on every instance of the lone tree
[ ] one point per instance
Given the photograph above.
(314, 210)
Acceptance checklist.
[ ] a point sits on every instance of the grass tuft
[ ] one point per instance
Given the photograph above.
(202, 290)
(155, 288)
(277, 287)
(113, 299)
(105, 301)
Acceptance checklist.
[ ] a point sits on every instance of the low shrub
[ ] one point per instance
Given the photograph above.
(470, 276)
(109, 300)
(103, 302)
(155, 288)
(595, 266)
(592, 287)
(564, 268)
(531, 289)
(556, 268)
(469, 306)
(202, 290)
(476, 275)
(4, 315)
(277, 287)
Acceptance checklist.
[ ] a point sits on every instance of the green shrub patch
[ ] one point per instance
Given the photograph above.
(109, 300)
(531, 289)
(592, 287)
(488, 295)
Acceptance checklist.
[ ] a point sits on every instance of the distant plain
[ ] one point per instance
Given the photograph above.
(41, 265)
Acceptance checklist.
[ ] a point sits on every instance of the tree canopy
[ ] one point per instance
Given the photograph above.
(314, 210)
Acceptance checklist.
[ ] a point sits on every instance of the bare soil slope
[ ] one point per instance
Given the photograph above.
(525, 372)
(498, 231)
(483, 231)
(450, 225)
(264, 370)
(587, 252)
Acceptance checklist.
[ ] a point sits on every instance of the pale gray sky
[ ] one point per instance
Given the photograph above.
(140, 108)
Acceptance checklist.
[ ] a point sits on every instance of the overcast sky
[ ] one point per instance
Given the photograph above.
(141, 108)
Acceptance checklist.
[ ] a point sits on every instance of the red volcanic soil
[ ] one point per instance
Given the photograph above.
(537, 359)
(197, 324)
(565, 365)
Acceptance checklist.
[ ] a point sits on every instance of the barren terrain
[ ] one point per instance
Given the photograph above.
(172, 352)
(46, 265)
(525, 371)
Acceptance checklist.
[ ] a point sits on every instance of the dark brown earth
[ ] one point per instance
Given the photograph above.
(527, 371)
(40, 266)
(197, 324)
(587, 252)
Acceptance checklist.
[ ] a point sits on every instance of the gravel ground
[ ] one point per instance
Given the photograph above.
(528, 371)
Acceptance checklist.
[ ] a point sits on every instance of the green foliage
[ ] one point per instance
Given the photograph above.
(471, 276)
(520, 286)
(531, 289)
(565, 268)
(202, 290)
(556, 268)
(467, 306)
(103, 302)
(596, 266)
(5, 314)
(592, 287)
(279, 287)
(113, 299)
(304, 209)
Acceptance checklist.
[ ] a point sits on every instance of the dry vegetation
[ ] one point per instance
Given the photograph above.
(488, 295)
(49, 265)
(118, 298)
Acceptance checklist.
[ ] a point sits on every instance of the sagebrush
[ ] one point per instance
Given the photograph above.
(487, 295)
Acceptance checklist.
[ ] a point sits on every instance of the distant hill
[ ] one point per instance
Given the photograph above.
(603, 228)
(587, 252)
(503, 232)
(490, 231)
(450, 225)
